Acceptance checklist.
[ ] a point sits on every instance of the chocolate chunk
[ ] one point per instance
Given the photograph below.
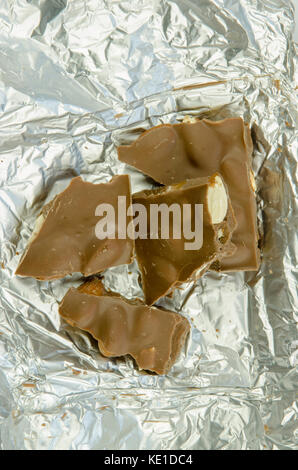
(164, 263)
(173, 153)
(152, 336)
(64, 240)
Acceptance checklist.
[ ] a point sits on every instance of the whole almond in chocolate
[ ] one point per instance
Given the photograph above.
(177, 255)
(152, 336)
(173, 153)
(64, 240)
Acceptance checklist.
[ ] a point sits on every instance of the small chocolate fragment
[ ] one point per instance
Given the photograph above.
(165, 263)
(152, 336)
(64, 239)
(173, 153)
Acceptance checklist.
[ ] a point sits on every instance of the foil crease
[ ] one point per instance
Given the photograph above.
(77, 78)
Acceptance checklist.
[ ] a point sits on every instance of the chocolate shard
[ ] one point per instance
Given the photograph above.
(167, 262)
(173, 153)
(152, 336)
(64, 240)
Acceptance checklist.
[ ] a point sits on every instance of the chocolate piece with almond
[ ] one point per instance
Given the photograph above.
(168, 259)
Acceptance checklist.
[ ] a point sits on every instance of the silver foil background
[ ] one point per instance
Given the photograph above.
(76, 79)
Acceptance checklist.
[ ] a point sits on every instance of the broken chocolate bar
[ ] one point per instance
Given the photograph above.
(152, 336)
(178, 255)
(173, 153)
(64, 240)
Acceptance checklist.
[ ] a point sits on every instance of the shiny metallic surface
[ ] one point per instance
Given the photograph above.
(77, 78)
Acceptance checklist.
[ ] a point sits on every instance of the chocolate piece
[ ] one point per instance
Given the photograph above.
(64, 240)
(152, 336)
(174, 153)
(165, 263)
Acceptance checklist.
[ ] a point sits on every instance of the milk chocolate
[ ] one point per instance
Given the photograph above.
(152, 336)
(173, 153)
(164, 263)
(64, 240)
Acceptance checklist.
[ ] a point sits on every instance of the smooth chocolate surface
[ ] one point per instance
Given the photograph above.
(165, 262)
(173, 153)
(152, 336)
(65, 241)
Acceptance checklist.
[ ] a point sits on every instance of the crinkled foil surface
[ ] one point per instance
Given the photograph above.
(78, 77)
